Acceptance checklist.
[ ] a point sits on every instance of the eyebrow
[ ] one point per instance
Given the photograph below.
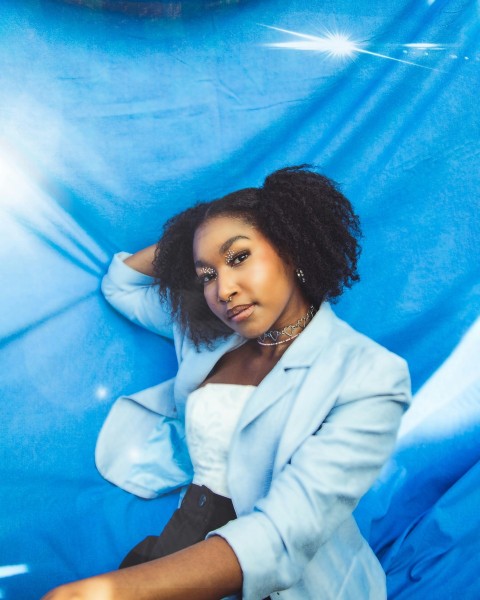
(224, 247)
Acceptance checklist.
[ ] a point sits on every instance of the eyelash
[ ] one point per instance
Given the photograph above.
(230, 260)
(206, 271)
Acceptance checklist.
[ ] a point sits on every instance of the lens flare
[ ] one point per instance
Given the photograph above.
(101, 392)
(339, 44)
(333, 43)
(11, 570)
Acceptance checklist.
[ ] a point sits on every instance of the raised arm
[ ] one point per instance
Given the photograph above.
(142, 260)
(129, 287)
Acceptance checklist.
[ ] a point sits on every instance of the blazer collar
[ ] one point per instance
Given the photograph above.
(301, 353)
(285, 375)
(312, 340)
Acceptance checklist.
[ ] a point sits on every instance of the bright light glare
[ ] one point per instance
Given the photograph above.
(101, 392)
(134, 453)
(338, 44)
(8, 174)
(14, 188)
(332, 43)
(10, 570)
(424, 46)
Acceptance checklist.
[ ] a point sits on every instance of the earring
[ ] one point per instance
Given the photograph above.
(300, 275)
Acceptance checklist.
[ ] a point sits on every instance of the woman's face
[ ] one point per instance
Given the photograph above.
(247, 285)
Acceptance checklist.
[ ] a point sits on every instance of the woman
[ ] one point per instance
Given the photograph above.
(289, 412)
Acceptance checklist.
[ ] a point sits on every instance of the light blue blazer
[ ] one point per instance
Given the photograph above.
(310, 442)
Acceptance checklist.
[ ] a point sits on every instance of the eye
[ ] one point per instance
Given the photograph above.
(206, 274)
(236, 259)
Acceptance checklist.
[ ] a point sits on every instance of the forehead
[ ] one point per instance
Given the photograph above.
(216, 232)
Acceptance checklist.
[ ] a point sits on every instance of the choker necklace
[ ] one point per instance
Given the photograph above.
(289, 330)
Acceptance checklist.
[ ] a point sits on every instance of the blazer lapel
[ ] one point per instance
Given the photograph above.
(275, 385)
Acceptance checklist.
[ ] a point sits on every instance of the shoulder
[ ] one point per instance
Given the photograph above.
(368, 365)
(329, 338)
(336, 352)
(353, 342)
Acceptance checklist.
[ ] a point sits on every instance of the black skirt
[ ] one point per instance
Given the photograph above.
(201, 511)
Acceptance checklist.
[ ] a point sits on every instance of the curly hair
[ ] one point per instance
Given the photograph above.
(304, 216)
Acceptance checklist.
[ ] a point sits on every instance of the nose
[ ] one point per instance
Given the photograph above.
(226, 287)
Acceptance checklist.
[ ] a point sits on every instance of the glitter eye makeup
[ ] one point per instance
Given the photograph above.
(206, 274)
(207, 271)
(229, 256)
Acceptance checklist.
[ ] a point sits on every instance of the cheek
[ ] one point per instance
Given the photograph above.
(209, 295)
(268, 275)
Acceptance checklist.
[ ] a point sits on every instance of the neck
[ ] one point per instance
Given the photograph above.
(268, 353)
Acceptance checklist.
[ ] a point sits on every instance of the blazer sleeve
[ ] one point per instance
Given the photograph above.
(323, 481)
(134, 295)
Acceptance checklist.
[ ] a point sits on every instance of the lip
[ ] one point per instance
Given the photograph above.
(240, 312)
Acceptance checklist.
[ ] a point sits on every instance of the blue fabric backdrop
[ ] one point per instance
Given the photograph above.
(111, 121)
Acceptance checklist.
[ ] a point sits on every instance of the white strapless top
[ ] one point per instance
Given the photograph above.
(211, 417)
